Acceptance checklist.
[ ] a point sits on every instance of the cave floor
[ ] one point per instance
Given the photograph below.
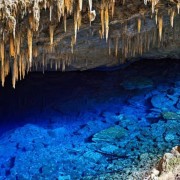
(90, 125)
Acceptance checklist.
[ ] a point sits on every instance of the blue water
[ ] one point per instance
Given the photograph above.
(90, 125)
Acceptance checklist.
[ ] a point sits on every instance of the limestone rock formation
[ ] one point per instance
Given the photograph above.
(79, 35)
(168, 167)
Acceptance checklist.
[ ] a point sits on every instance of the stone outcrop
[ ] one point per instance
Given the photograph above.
(168, 167)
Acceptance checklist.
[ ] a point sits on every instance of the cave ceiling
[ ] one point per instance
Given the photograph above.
(78, 35)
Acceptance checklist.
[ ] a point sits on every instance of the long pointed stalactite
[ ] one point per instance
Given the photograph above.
(21, 28)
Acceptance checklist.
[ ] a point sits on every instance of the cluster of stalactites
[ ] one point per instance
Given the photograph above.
(159, 22)
(125, 46)
(153, 4)
(159, 18)
(104, 12)
(23, 58)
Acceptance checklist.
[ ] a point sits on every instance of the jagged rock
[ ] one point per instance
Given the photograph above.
(168, 167)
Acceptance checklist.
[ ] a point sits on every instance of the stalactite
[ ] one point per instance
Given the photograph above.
(72, 44)
(31, 21)
(60, 9)
(36, 14)
(154, 3)
(113, 6)
(92, 16)
(102, 21)
(35, 51)
(65, 23)
(107, 22)
(145, 2)
(50, 13)
(172, 18)
(69, 6)
(18, 43)
(80, 4)
(90, 5)
(12, 25)
(116, 46)
(2, 53)
(90, 10)
(75, 27)
(51, 34)
(14, 73)
(23, 65)
(2, 76)
(79, 19)
(160, 25)
(45, 4)
(20, 66)
(11, 46)
(178, 6)
(30, 42)
(63, 65)
(156, 16)
(139, 25)
(6, 67)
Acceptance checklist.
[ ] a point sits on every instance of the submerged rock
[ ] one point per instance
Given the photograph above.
(109, 149)
(163, 102)
(169, 137)
(137, 83)
(171, 115)
(92, 156)
(111, 134)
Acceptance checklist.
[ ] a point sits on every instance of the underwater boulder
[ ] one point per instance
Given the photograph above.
(169, 137)
(109, 149)
(137, 83)
(163, 101)
(178, 104)
(92, 156)
(111, 134)
(171, 115)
